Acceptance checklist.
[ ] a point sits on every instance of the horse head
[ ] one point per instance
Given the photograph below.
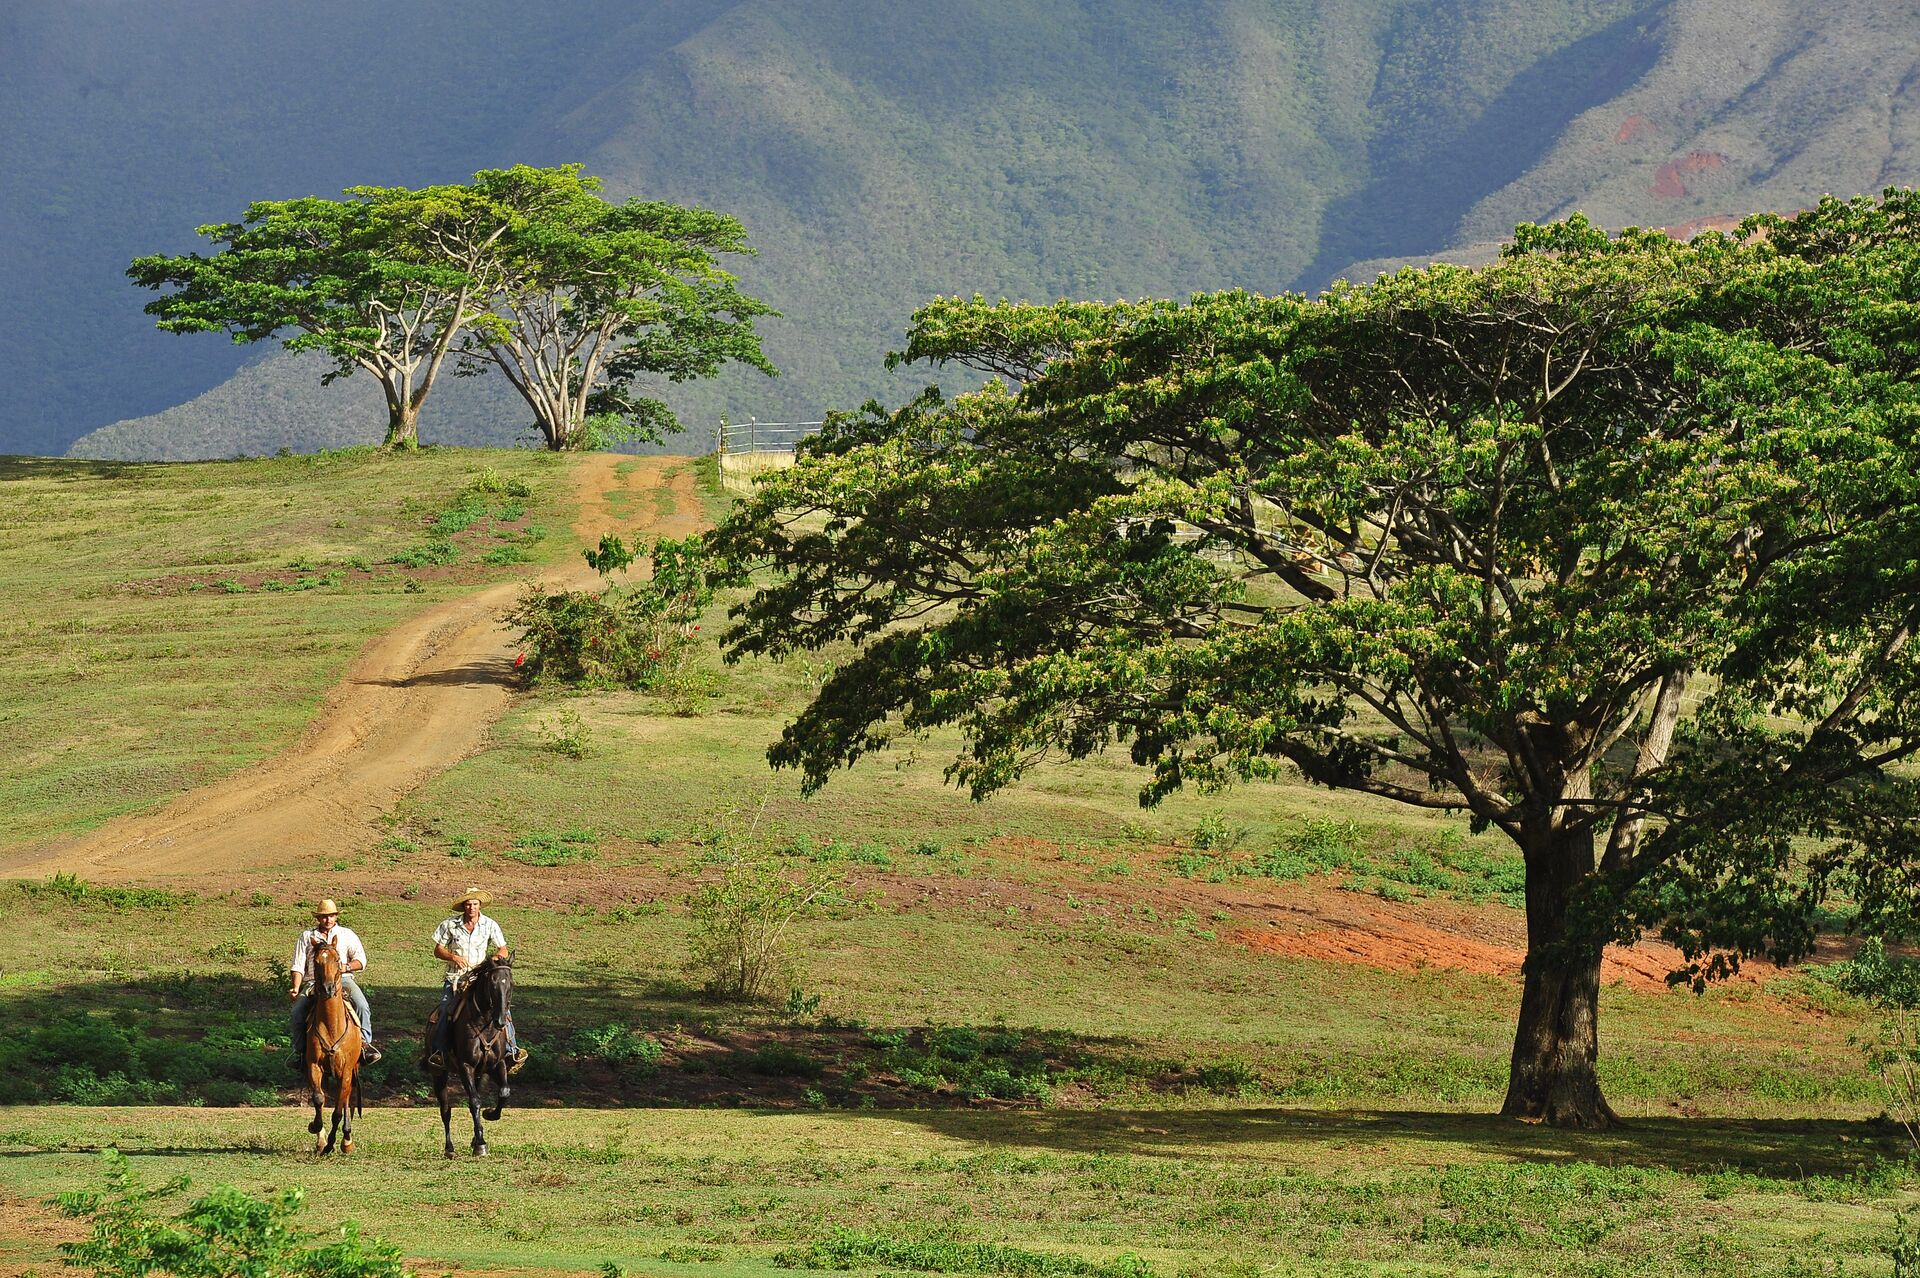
(326, 970)
(493, 981)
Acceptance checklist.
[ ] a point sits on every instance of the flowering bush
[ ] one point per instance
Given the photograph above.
(626, 636)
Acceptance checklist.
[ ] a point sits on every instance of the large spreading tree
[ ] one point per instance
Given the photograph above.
(382, 282)
(595, 298)
(1613, 545)
(577, 301)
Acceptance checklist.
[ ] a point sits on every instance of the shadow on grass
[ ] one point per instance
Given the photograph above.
(1791, 1149)
(474, 673)
(69, 468)
(220, 1039)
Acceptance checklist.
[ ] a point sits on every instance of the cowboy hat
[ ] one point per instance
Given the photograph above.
(326, 906)
(471, 894)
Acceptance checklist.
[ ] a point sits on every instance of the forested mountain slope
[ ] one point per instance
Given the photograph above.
(880, 154)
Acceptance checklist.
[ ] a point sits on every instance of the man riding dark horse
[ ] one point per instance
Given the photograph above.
(463, 942)
(326, 931)
(472, 1036)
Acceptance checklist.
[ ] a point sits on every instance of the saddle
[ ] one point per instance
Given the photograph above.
(462, 994)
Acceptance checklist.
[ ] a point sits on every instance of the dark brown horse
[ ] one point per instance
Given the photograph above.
(333, 1052)
(477, 1049)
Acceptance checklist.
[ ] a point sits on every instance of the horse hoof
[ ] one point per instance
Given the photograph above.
(479, 1151)
(449, 1151)
(346, 1147)
(491, 1115)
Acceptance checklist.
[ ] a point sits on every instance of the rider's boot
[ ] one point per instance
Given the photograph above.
(369, 1053)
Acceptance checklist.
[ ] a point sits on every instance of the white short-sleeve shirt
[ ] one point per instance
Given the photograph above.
(342, 939)
(473, 946)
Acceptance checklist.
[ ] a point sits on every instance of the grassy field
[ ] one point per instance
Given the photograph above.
(1032, 1037)
(165, 625)
(1237, 1193)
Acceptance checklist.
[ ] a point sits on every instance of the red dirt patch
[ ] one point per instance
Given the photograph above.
(1404, 945)
(1633, 128)
(1667, 182)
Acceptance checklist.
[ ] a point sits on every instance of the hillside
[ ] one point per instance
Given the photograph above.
(880, 156)
(1248, 1032)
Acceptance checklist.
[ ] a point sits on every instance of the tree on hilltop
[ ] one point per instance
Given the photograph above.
(1608, 545)
(595, 296)
(573, 299)
(382, 282)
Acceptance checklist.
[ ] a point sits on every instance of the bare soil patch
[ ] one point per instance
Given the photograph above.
(417, 700)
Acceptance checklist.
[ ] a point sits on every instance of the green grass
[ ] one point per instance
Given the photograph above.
(1028, 1039)
(1230, 1193)
(918, 1002)
(167, 625)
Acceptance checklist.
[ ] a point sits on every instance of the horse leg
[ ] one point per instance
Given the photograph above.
(441, 1088)
(501, 1090)
(472, 1084)
(333, 1132)
(316, 1082)
(343, 1113)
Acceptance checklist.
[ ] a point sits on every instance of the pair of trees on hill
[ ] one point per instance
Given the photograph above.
(1613, 545)
(523, 271)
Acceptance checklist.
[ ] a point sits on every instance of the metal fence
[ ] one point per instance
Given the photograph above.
(756, 436)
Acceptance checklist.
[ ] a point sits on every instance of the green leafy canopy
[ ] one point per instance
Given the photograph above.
(1613, 545)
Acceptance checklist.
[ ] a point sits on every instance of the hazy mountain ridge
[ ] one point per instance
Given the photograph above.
(880, 156)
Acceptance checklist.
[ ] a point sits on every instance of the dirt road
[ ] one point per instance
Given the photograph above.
(417, 700)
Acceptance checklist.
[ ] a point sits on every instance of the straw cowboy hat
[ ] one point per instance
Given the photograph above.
(326, 906)
(471, 894)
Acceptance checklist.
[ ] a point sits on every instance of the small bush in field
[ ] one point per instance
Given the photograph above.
(565, 733)
(223, 1232)
(742, 946)
(639, 636)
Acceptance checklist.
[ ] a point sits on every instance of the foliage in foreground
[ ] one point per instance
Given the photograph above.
(1605, 544)
(223, 1234)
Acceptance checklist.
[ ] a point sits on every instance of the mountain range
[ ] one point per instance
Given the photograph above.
(881, 154)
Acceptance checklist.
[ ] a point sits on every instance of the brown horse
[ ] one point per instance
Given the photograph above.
(333, 1051)
(477, 1049)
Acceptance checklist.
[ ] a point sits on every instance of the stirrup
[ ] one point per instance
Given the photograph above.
(370, 1053)
(519, 1061)
(436, 1060)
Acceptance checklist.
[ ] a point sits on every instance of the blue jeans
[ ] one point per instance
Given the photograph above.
(443, 1024)
(304, 1004)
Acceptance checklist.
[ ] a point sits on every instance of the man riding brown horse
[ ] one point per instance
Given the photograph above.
(326, 932)
(333, 1051)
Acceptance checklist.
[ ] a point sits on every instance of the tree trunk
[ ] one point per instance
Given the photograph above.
(403, 426)
(1552, 1078)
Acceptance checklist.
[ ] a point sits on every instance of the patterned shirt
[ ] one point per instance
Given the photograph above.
(343, 941)
(473, 946)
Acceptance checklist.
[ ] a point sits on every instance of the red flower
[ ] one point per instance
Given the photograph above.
(519, 661)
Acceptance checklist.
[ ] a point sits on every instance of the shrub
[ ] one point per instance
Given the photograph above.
(503, 555)
(1883, 979)
(225, 1232)
(637, 636)
(549, 850)
(631, 1053)
(565, 733)
(783, 1060)
(436, 553)
(742, 946)
(74, 890)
